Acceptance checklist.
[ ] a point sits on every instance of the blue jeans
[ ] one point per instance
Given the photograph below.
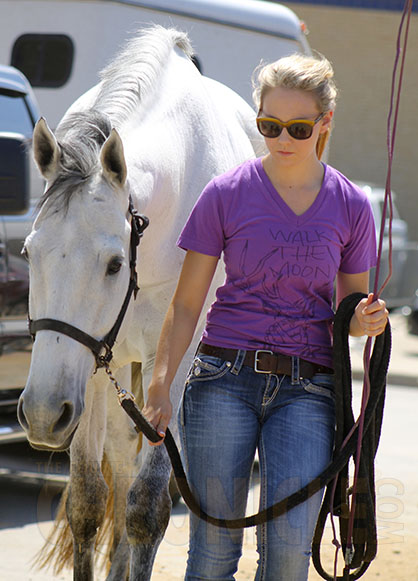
(228, 412)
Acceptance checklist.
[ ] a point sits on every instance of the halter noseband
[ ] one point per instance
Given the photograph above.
(102, 350)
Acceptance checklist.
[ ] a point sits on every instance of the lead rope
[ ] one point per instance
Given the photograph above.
(391, 135)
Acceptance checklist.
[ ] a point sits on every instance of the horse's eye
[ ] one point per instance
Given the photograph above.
(114, 266)
(25, 253)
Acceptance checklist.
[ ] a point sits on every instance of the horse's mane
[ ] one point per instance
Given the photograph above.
(134, 72)
(126, 82)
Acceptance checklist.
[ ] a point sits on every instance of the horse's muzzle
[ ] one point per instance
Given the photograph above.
(48, 430)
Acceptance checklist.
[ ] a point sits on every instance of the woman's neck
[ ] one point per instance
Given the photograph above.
(308, 176)
(297, 188)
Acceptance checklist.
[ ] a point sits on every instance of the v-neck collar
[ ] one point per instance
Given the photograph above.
(277, 199)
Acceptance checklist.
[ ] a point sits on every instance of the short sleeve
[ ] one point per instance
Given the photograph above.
(359, 253)
(203, 231)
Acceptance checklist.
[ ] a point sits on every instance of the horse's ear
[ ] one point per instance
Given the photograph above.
(46, 150)
(113, 159)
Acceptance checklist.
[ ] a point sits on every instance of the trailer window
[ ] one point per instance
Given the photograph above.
(45, 59)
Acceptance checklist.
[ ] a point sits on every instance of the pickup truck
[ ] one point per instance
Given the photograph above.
(20, 187)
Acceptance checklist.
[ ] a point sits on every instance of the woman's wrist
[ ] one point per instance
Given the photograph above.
(161, 376)
(159, 386)
(355, 329)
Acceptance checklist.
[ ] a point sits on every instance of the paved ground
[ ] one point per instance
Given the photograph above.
(397, 514)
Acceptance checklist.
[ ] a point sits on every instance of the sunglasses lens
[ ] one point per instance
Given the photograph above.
(269, 128)
(300, 130)
(297, 130)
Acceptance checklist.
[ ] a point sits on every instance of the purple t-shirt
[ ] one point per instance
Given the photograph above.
(280, 267)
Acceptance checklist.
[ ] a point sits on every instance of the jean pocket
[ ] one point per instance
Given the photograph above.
(320, 384)
(206, 367)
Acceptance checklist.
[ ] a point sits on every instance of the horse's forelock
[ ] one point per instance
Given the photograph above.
(80, 137)
(92, 125)
(61, 191)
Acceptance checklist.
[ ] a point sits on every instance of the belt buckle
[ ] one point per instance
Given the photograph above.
(256, 360)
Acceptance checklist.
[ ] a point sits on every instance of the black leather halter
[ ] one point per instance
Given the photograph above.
(102, 350)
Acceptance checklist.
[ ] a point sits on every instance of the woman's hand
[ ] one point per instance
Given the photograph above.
(369, 318)
(158, 410)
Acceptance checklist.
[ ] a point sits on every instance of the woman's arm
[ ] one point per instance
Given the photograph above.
(370, 317)
(176, 334)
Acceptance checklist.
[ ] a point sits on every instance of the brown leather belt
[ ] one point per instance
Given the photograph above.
(264, 361)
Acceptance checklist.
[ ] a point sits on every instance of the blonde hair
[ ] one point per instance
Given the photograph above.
(312, 74)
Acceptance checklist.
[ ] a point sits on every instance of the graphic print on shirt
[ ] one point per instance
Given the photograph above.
(298, 259)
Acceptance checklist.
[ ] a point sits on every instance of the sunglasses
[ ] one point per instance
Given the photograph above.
(298, 128)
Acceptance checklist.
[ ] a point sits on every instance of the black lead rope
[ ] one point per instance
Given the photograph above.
(345, 422)
(364, 537)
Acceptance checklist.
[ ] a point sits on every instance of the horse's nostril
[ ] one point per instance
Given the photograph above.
(21, 415)
(65, 418)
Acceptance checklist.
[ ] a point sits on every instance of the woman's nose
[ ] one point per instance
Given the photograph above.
(284, 136)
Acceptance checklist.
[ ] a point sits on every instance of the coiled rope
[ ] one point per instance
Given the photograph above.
(360, 543)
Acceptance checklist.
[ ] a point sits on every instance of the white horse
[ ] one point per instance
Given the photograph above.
(153, 129)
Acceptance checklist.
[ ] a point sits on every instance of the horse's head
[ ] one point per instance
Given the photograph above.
(78, 253)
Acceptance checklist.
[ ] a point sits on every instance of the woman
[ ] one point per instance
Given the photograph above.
(262, 380)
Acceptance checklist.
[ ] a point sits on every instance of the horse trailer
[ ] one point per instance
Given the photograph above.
(61, 45)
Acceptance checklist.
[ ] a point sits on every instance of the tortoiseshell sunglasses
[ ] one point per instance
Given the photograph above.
(297, 128)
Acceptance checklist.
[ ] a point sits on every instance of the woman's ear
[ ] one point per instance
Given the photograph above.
(326, 122)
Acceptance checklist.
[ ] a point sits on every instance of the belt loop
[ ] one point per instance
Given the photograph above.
(239, 361)
(295, 370)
